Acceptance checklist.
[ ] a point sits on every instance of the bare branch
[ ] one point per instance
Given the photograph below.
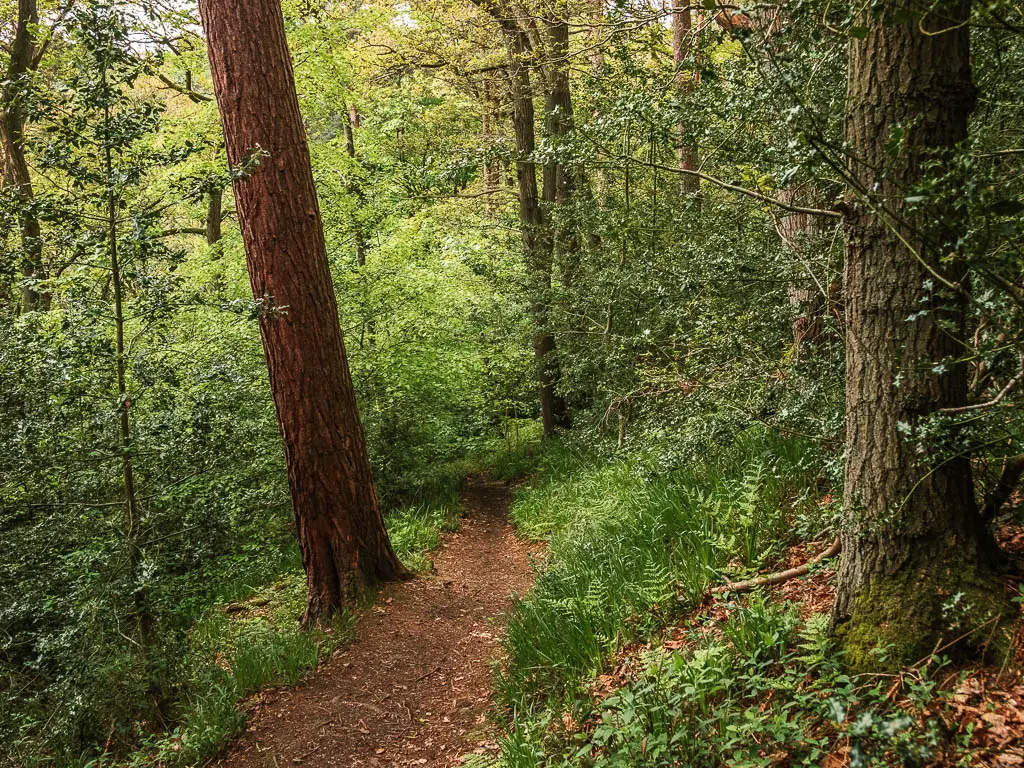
(832, 214)
(182, 231)
(995, 400)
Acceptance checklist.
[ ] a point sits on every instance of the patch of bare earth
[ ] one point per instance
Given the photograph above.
(413, 689)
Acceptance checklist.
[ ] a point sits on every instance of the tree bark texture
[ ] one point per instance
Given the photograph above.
(341, 532)
(912, 536)
(12, 128)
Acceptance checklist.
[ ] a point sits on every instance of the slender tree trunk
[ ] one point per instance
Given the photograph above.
(537, 245)
(597, 20)
(801, 234)
(354, 188)
(369, 329)
(682, 44)
(12, 128)
(345, 547)
(124, 408)
(142, 605)
(913, 538)
(489, 132)
(559, 183)
(214, 214)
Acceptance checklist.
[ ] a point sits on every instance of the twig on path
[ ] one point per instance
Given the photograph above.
(781, 576)
(302, 758)
(427, 674)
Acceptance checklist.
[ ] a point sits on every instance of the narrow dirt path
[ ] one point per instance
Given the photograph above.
(414, 687)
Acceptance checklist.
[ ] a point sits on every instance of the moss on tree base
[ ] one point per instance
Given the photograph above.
(903, 618)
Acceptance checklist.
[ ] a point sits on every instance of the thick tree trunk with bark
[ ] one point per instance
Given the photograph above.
(560, 183)
(344, 544)
(12, 133)
(558, 118)
(913, 537)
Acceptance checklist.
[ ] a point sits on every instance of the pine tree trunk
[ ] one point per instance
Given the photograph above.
(345, 547)
(912, 536)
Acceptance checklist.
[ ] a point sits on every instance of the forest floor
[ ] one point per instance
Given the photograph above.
(414, 687)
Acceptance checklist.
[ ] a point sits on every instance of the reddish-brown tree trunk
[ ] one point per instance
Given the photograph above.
(341, 532)
(915, 564)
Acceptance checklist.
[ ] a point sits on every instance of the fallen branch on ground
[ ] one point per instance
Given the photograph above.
(781, 576)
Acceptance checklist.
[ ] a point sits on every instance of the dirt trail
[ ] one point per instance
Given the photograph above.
(414, 687)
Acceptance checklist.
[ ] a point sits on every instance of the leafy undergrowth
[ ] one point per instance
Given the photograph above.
(254, 642)
(631, 547)
(234, 652)
(617, 659)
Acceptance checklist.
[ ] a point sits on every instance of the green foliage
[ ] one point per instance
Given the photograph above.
(634, 549)
(766, 690)
(417, 530)
(628, 545)
(232, 652)
(674, 316)
(443, 370)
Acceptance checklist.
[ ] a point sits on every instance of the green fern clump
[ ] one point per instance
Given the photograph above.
(630, 544)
